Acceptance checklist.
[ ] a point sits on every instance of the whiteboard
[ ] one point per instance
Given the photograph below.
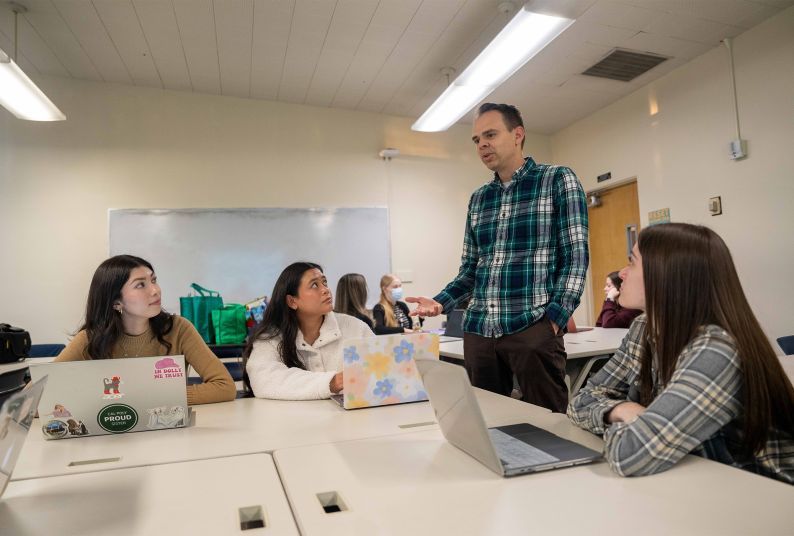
(241, 251)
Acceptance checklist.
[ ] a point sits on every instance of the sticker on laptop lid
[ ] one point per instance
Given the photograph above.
(54, 429)
(117, 418)
(76, 427)
(59, 412)
(167, 368)
(165, 417)
(111, 387)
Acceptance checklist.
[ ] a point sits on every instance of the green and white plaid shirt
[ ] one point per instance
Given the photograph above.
(699, 411)
(524, 252)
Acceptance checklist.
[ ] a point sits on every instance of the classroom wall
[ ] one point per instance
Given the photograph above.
(131, 147)
(679, 156)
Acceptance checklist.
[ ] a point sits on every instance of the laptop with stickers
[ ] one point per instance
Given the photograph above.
(381, 371)
(506, 450)
(112, 396)
(16, 416)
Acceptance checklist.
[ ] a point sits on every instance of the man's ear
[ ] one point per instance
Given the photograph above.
(519, 134)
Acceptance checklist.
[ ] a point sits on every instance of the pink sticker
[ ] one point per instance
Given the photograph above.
(167, 368)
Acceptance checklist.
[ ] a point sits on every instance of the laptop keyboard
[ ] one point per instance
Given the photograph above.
(515, 453)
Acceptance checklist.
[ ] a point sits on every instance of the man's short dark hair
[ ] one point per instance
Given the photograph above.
(510, 115)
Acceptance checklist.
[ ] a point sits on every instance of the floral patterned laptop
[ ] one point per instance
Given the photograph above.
(380, 371)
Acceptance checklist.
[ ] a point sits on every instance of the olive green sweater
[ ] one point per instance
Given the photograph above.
(218, 385)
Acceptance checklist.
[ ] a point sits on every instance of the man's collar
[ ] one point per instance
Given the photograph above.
(518, 174)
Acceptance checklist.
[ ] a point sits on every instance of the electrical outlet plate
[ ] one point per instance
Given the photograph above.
(715, 205)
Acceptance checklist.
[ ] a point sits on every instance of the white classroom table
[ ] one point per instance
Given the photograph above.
(11, 367)
(198, 497)
(594, 344)
(243, 426)
(420, 484)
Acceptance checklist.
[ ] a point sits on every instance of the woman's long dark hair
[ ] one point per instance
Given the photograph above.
(103, 323)
(351, 295)
(691, 281)
(279, 319)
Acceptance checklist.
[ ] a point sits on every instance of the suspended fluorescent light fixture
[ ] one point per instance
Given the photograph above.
(18, 94)
(524, 36)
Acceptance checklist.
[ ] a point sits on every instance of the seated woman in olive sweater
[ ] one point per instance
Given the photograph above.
(123, 318)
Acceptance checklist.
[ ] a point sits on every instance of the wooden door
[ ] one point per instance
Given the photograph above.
(613, 226)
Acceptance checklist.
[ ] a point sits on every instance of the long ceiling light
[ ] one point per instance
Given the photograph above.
(524, 36)
(18, 94)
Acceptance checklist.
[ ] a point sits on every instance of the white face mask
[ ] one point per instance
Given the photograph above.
(397, 294)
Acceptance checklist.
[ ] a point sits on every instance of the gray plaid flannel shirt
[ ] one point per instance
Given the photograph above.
(699, 411)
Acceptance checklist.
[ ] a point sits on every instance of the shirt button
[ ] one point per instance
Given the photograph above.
(492, 306)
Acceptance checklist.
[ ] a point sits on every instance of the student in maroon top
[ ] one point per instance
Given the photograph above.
(612, 314)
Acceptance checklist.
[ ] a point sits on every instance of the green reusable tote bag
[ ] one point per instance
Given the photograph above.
(229, 324)
(198, 309)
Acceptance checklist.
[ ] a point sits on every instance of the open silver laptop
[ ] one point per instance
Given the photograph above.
(16, 416)
(381, 371)
(506, 450)
(112, 396)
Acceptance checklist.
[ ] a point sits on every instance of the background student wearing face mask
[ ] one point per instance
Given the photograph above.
(391, 313)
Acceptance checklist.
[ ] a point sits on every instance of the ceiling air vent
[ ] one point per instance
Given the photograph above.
(625, 65)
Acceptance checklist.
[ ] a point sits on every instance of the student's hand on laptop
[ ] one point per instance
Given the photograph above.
(336, 383)
(425, 306)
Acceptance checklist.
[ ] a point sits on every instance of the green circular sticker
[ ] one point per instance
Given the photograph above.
(117, 418)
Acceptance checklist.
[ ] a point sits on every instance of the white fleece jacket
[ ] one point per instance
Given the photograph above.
(271, 378)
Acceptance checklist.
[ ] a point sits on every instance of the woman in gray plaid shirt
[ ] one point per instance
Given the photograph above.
(695, 374)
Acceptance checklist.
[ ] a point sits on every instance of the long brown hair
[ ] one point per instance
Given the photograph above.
(351, 295)
(690, 282)
(103, 324)
(385, 281)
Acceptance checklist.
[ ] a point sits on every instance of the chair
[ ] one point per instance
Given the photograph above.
(786, 344)
(46, 350)
(235, 370)
(12, 382)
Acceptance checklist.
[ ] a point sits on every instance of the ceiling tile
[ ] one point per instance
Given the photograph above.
(690, 29)
(345, 36)
(271, 31)
(234, 23)
(619, 15)
(196, 22)
(387, 27)
(666, 46)
(48, 23)
(122, 25)
(158, 21)
(85, 24)
(418, 39)
(310, 24)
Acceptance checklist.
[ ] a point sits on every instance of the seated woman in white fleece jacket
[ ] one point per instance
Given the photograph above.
(296, 352)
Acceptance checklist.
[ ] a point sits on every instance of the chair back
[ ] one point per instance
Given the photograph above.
(786, 344)
(46, 350)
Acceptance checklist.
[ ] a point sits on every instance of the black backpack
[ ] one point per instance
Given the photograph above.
(14, 343)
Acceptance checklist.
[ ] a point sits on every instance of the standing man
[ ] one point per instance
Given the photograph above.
(523, 266)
